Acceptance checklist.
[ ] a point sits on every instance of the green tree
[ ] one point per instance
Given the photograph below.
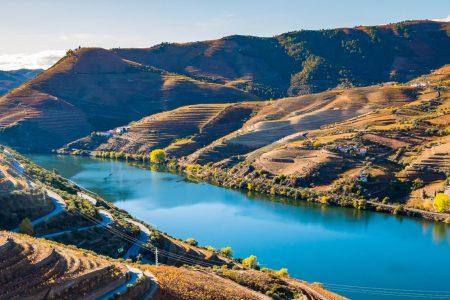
(26, 226)
(283, 272)
(157, 156)
(192, 242)
(250, 262)
(227, 251)
(441, 202)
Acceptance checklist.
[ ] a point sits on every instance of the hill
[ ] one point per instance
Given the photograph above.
(12, 79)
(181, 131)
(382, 145)
(94, 89)
(40, 269)
(307, 61)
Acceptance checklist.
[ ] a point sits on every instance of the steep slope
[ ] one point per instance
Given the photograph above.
(12, 79)
(307, 61)
(40, 269)
(296, 115)
(94, 89)
(180, 131)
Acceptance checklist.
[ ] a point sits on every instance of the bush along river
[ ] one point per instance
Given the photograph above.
(359, 254)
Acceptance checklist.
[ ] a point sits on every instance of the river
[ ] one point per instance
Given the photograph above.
(359, 254)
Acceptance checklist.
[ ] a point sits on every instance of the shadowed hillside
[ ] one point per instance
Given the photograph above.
(180, 131)
(307, 61)
(94, 89)
(39, 269)
(12, 79)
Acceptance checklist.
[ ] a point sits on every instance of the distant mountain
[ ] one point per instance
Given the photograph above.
(308, 61)
(12, 79)
(93, 89)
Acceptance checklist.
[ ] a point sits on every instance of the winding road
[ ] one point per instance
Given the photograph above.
(144, 236)
(135, 275)
(107, 219)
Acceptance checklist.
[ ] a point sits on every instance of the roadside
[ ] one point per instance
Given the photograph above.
(144, 237)
(107, 219)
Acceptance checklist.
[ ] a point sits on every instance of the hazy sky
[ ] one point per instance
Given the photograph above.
(36, 32)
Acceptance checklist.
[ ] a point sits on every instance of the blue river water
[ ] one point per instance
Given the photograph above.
(359, 254)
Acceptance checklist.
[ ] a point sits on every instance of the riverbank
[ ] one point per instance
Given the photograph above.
(245, 179)
(227, 179)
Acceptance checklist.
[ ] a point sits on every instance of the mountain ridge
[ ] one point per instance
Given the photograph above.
(94, 89)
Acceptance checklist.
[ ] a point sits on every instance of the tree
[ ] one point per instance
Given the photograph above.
(157, 156)
(283, 272)
(441, 202)
(250, 262)
(227, 251)
(192, 242)
(26, 226)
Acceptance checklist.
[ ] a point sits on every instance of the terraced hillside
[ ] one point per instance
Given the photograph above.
(39, 269)
(180, 131)
(94, 89)
(397, 152)
(296, 115)
(369, 143)
(307, 61)
(12, 79)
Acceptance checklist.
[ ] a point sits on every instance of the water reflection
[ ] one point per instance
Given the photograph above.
(316, 242)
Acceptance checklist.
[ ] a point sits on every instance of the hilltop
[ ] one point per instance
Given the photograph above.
(93, 89)
(382, 147)
(307, 61)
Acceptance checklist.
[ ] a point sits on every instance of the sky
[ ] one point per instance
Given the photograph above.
(35, 33)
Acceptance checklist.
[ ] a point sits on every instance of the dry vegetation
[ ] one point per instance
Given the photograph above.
(41, 269)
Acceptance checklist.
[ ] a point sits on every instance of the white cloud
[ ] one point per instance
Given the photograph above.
(443, 20)
(39, 60)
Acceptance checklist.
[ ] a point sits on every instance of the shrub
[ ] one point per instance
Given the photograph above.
(210, 248)
(441, 202)
(324, 199)
(250, 262)
(157, 156)
(26, 227)
(417, 183)
(227, 251)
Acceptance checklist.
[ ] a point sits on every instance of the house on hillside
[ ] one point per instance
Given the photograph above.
(352, 149)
